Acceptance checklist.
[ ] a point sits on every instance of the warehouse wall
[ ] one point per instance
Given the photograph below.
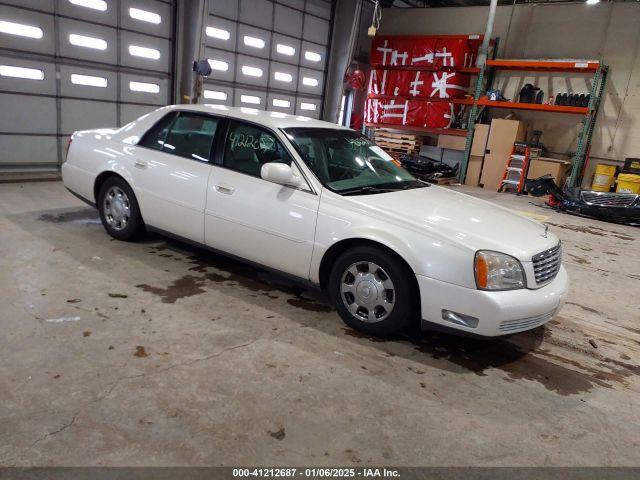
(605, 31)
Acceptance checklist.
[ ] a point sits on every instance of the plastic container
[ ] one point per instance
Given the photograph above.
(603, 178)
(628, 183)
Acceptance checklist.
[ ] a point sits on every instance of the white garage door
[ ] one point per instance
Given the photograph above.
(269, 55)
(69, 65)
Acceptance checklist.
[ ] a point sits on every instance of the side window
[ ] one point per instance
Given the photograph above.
(155, 136)
(191, 136)
(247, 148)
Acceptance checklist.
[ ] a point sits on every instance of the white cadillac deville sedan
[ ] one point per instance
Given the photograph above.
(325, 204)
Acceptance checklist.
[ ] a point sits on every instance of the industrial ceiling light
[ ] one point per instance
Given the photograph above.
(592, 2)
(375, 21)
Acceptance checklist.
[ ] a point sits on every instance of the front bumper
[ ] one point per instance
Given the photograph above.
(499, 313)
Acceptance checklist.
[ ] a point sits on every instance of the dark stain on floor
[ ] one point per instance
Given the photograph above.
(140, 352)
(278, 434)
(518, 364)
(309, 304)
(519, 357)
(593, 230)
(356, 334)
(186, 286)
(83, 215)
(223, 270)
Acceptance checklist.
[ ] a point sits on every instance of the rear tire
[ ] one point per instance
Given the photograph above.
(119, 210)
(373, 291)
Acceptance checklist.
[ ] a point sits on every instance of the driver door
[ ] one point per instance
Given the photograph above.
(267, 223)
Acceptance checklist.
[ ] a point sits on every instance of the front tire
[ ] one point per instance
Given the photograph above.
(372, 291)
(119, 210)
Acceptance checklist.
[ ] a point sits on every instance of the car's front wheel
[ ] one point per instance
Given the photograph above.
(372, 291)
(119, 210)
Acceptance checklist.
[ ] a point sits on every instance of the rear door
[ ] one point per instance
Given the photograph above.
(171, 170)
(264, 222)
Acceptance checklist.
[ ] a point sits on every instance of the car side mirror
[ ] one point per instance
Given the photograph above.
(280, 173)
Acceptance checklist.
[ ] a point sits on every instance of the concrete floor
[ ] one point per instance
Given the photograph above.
(156, 353)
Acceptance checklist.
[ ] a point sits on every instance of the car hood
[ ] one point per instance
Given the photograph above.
(461, 219)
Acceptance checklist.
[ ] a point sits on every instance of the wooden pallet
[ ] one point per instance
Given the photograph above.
(396, 144)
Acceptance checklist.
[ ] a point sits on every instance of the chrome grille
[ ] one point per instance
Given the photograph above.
(509, 326)
(546, 264)
(605, 199)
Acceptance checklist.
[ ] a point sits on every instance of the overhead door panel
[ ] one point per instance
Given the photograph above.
(27, 114)
(34, 31)
(267, 54)
(83, 65)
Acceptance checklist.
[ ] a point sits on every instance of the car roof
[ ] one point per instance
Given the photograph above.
(272, 120)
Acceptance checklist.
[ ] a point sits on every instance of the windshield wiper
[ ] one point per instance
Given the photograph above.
(372, 189)
(384, 188)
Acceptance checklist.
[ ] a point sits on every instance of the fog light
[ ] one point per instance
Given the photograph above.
(460, 319)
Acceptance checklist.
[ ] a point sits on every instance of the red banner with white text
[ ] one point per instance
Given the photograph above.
(417, 113)
(454, 51)
(412, 77)
(418, 83)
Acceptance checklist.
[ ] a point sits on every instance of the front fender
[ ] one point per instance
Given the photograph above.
(428, 256)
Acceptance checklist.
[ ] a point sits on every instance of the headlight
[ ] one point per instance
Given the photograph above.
(497, 271)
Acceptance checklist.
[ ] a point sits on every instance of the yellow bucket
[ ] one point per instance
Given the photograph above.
(603, 178)
(628, 183)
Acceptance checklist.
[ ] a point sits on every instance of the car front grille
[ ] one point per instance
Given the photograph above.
(510, 326)
(546, 264)
(604, 199)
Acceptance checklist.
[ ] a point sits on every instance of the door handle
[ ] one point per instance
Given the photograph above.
(140, 165)
(226, 189)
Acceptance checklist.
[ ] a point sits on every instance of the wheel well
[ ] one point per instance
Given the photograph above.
(100, 179)
(337, 249)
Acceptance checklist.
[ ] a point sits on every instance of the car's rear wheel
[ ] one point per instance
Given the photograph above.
(372, 291)
(119, 210)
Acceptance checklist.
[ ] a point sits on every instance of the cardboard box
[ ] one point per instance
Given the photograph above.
(480, 137)
(493, 170)
(556, 168)
(452, 142)
(503, 134)
(474, 168)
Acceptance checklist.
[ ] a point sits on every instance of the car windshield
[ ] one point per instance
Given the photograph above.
(349, 163)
